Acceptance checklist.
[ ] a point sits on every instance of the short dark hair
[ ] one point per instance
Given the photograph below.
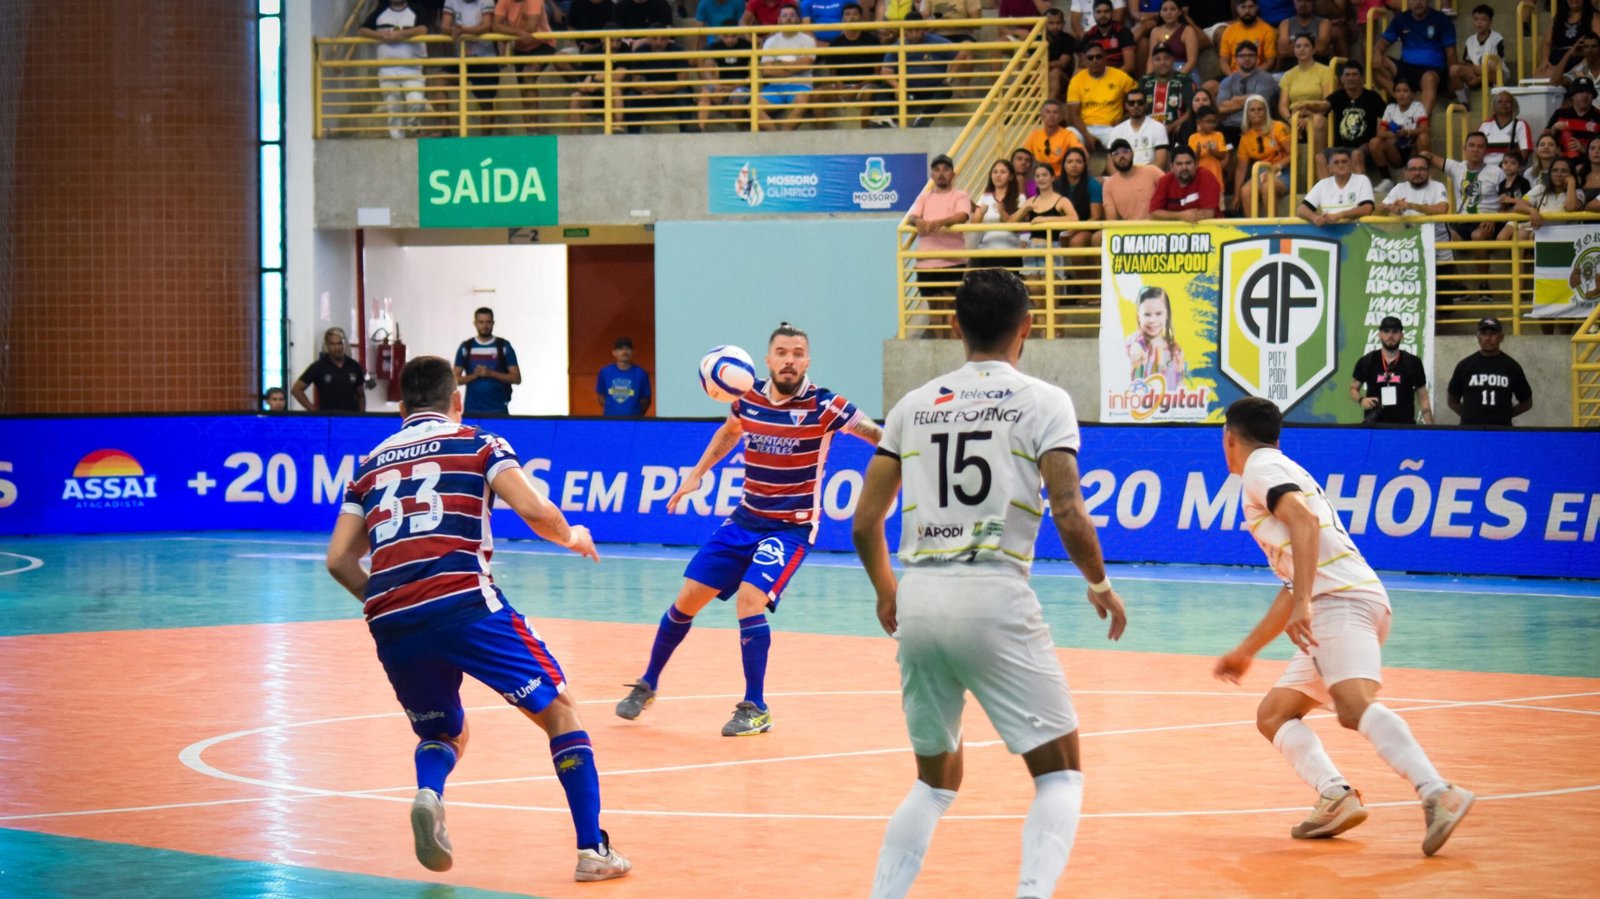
(483, 310)
(789, 5)
(1158, 48)
(991, 304)
(271, 391)
(1473, 134)
(1400, 81)
(1205, 111)
(784, 329)
(1022, 150)
(849, 6)
(1245, 45)
(622, 343)
(426, 384)
(1331, 152)
(1483, 8)
(1256, 419)
(1182, 150)
(1100, 3)
(1053, 13)
(1351, 64)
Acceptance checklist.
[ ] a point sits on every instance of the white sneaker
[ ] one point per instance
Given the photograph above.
(1443, 811)
(427, 828)
(605, 863)
(1383, 187)
(1332, 815)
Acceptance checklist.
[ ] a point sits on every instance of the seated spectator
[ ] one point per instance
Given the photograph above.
(1146, 135)
(940, 205)
(1306, 21)
(1513, 184)
(1094, 97)
(1247, 81)
(1113, 37)
(892, 11)
(933, 10)
(1002, 201)
(1020, 9)
(1403, 131)
(1588, 177)
(1568, 22)
(1557, 191)
(1427, 52)
(1022, 162)
(590, 16)
(275, 400)
(822, 12)
(1586, 59)
(712, 13)
(1173, 33)
(1546, 150)
(1261, 140)
(1416, 195)
(1506, 130)
(1248, 29)
(1484, 41)
(725, 69)
(1140, 17)
(786, 60)
(1084, 192)
(927, 73)
(852, 74)
(1275, 12)
(1577, 122)
(1081, 17)
(640, 15)
(1170, 94)
(1188, 193)
(763, 12)
(1210, 148)
(651, 90)
(1049, 142)
(1062, 50)
(393, 26)
(1305, 89)
(1203, 99)
(1343, 196)
(1128, 187)
(1355, 112)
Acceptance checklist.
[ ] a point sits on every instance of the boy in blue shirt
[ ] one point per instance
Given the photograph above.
(623, 388)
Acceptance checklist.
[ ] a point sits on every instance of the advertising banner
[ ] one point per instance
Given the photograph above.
(1426, 499)
(761, 184)
(487, 182)
(1194, 318)
(1566, 270)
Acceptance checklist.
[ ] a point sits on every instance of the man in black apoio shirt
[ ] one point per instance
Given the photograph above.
(1489, 387)
(1390, 383)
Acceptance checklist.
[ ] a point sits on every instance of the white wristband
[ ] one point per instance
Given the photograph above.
(1102, 587)
(573, 535)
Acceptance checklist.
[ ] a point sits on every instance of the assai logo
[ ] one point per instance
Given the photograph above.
(109, 479)
(1279, 297)
(875, 179)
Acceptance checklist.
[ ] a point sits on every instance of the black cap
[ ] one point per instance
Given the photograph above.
(1581, 86)
(1119, 144)
(939, 160)
(1391, 323)
(1489, 324)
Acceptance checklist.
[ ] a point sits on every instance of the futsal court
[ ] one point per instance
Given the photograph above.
(198, 715)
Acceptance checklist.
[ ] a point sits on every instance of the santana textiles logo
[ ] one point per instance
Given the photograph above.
(109, 479)
(1278, 303)
(486, 182)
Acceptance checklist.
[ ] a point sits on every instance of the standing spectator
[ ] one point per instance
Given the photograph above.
(1248, 80)
(622, 387)
(1427, 51)
(1171, 95)
(1586, 59)
(1112, 36)
(1403, 131)
(1577, 122)
(939, 206)
(1049, 143)
(1001, 202)
(1305, 89)
(1209, 146)
(1568, 22)
(1482, 42)
(1188, 193)
(1477, 190)
(1390, 384)
(1248, 29)
(1173, 33)
(1082, 15)
(393, 26)
(1146, 135)
(1354, 114)
(275, 400)
(1506, 130)
(339, 379)
(1094, 97)
(1418, 195)
(1262, 140)
(1341, 197)
(1062, 53)
(1128, 187)
(1306, 21)
(1488, 387)
(471, 20)
(1084, 192)
(488, 366)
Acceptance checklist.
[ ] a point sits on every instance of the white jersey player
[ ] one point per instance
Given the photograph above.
(973, 448)
(1334, 608)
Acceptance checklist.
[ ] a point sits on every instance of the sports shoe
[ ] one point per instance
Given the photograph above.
(605, 863)
(637, 699)
(747, 721)
(1444, 810)
(1383, 187)
(1331, 816)
(427, 828)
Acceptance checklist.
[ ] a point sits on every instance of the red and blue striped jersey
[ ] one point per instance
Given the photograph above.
(785, 449)
(424, 495)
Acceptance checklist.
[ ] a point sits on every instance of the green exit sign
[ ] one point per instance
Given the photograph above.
(574, 232)
(487, 182)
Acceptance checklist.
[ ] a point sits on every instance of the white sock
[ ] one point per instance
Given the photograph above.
(1049, 830)
(1389, 733)
(906, 839)
(1301, 746)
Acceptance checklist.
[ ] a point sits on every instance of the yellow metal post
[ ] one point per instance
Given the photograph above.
(461, 89)
(900, 82)
(606, 73)
(1375, 19)
(317, 127)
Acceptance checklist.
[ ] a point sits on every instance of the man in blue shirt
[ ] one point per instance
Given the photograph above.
(1427, 51)
(927, 74)
(488, 366)
(623, 388)
(822, 12)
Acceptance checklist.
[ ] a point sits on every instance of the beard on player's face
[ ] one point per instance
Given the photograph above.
(786, 380)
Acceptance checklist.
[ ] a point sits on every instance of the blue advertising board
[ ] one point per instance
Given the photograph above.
(748, 185)
(1432, 499)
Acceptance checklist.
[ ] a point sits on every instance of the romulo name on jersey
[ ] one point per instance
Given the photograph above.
(1488, 380)
(407, 452)
(951, 416)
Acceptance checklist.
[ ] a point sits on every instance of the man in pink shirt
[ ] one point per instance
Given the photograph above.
(1128, 187)
(938, 207)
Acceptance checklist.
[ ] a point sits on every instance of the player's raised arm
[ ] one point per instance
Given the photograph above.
(866, 531)
(722, 443)
(1059, 469)
(541, 515)
(345, 549)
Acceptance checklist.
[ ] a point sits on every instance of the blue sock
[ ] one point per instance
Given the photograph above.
(574, 760)
(755, 641)
(674, 627)
(435, 760)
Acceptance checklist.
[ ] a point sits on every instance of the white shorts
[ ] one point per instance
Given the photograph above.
(984, 634)
(1349, 632)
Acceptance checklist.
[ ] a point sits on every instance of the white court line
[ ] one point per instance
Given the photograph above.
(32, 563)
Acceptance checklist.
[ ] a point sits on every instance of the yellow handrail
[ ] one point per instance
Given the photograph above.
(1450, 113)
(1490, 63)
(1372, 19)
(1527, 10)
(1294, 157)
(1586, 372)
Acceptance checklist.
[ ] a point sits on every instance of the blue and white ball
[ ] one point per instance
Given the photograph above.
(727, 373)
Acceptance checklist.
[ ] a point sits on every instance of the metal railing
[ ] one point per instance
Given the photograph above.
(605, 81)
(1586, 372)
(1527, 40)
(1376, 19)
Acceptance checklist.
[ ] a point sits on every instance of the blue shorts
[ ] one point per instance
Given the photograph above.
(764, 558)
(783, 94)
(500, 649)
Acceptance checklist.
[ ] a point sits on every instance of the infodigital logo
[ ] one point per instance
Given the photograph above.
(109, 479)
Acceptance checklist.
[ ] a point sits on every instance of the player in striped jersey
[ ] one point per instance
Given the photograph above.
(420, 503)
(1334, 608)
(787, 424)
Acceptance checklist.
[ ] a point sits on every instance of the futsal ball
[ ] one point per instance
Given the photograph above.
(726, 373)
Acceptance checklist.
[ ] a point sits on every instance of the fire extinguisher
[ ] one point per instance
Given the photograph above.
(395, 353)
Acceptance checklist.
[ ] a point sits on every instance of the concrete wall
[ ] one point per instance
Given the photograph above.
(1074, 364)
(615, 179)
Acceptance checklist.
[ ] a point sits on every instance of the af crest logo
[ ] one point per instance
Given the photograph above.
(1279, 301)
